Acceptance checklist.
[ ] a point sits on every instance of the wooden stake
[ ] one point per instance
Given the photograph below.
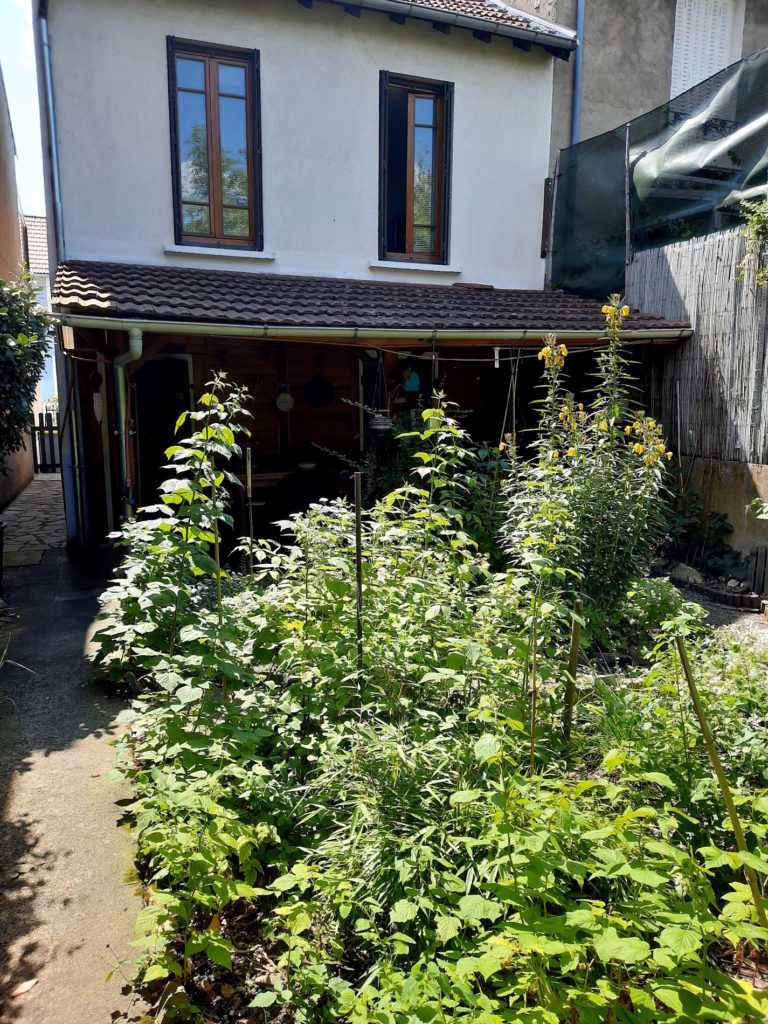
(724, 788)
(359, 571)
(573, 664)
(249, 499)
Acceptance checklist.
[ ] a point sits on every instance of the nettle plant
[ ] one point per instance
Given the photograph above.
(157, 621)
(588, 510)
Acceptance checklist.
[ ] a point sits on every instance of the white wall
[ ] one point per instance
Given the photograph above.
(320, 110)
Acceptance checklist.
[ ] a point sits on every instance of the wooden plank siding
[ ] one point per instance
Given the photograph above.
(721, 372)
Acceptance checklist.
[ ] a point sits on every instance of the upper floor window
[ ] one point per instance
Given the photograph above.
(215, 144)
(415, 164)
(708, 36)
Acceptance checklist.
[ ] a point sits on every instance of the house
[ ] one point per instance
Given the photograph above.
(35, 251)
(636, 56)
(340, 204)
(19, 464)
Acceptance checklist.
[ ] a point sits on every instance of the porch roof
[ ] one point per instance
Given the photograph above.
(186, 295)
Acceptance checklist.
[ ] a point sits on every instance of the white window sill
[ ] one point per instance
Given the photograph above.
(426, 268)
(230, 254)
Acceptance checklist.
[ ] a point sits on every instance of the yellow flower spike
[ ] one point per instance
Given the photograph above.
(651, 459)
(652, 424)
(669, 456)
(662, 449)
(603, 424)
(571, 451)
(501, 447)
(561, 417)
(582, 415)
(574, 427)
(636, 425)
(607, 309)
(625, 310)
(563, 350)
(541, 355)
(581, 407)
(555, 454)
(627, 431)
(639, 448)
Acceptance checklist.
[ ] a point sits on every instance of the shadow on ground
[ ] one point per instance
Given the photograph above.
(59, 846)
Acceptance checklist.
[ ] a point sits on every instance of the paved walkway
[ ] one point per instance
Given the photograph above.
(34, 522)
(66, 911)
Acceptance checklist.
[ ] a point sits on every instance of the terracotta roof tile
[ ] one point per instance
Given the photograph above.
(132, 291)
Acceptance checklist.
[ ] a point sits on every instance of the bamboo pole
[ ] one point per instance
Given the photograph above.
(359, 572)
(724, 788)
(249, 499)
(573, 664)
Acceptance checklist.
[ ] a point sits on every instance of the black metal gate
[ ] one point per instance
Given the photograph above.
(45, 443)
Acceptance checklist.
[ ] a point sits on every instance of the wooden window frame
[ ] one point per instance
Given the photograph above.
(417, 87)
(212, 56)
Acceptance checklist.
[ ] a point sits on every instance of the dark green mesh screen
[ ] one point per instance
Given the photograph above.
(692, 161)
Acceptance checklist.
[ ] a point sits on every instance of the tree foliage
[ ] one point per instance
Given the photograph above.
(24, 330)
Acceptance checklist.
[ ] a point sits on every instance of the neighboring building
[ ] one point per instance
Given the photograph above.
(337, 203)
(636, 56)
(35, 248)
(19, 465)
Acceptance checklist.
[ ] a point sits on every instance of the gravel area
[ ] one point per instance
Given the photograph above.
(735, 623)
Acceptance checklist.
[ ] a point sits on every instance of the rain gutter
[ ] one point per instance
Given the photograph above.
(353, 334)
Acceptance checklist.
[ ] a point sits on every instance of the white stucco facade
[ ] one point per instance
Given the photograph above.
(320, 136)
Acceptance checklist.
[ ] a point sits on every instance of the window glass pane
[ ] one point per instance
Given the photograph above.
(236, 222)
(424, 110)
(234, 152)
(424, 183)
(190, 74)
(397, 169)
(424, 240)
(196, 220)
(232, 79)
(193, 146)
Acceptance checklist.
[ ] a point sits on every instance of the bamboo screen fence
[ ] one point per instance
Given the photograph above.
(710, 391)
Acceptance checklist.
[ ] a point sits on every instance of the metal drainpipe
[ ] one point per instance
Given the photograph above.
(71, 471)
(134, 353)
(577, 70)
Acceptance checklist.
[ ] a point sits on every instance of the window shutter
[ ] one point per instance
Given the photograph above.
(702, 41)
(383, 110)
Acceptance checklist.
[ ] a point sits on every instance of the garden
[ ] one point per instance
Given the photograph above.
(486, 770)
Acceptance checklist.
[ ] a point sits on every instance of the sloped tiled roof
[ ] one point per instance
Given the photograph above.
(37, 240)
(185, 294)
(497, 15)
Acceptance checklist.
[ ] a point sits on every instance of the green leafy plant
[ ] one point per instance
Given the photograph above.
(756, 233)
(408, 843)
(24, 338)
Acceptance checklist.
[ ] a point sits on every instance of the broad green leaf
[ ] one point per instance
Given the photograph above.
(447, 928)
(402, 911)
(681, 941)
(486, 747)
(464, 796)
(478, 908)
(609, 945)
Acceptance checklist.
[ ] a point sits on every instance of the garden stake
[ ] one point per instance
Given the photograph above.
(249, 495)
(573, 664)
(533, 679)
(718, 769)
(359, 572)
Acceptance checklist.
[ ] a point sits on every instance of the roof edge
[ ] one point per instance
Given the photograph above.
(550, 35)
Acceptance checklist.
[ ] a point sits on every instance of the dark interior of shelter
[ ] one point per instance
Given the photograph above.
(317, 412)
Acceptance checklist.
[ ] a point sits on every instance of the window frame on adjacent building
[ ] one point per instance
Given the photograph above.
(415, 88)
(214, 56)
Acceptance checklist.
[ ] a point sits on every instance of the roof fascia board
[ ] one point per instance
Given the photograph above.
(551, 36)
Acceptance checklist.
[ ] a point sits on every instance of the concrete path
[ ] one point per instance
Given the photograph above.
(66, 911)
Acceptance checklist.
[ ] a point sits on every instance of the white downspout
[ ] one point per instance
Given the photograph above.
(134, 353)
